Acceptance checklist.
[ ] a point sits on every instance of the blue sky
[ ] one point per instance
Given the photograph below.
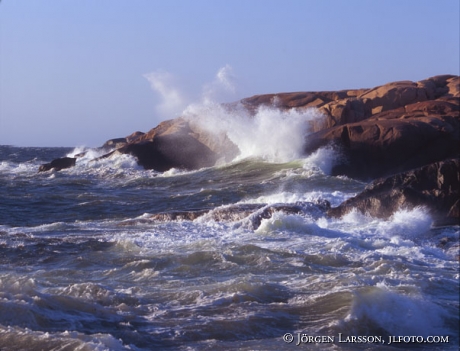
(76, 73)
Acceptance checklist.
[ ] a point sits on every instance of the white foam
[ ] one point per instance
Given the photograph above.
(397, 313)
(288, 197)
(18, 169)
(280, 221)
(24, 338)
(409, 223)
(322, 159)
(88, 153)
(272, 134)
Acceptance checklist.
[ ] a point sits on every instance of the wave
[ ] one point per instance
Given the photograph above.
(379, 308)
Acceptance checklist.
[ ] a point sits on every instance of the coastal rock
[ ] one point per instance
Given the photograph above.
(179, 143)
(435, 186)
(381, 131)
(58, 164)
(395, 137)
(120, 142)
(114, 143)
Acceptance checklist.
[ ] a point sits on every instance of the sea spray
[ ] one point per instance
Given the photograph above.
(90, 160)
(173, 99)
(272, 134)
(394, 312)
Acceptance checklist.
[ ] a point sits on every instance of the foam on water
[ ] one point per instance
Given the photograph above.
(7, 167)
(86, 154)
(133, 281)
(24, 338)
(287, 197)
(323, 159)
(395, 312)
(91, 161)
(287, 222)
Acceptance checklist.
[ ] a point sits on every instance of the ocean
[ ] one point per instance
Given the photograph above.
(87, 262)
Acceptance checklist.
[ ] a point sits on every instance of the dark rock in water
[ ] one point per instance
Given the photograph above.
(255, 213)
(58, 164)
(81, 154)
(268, 211)
(231, 213)
(435, 186)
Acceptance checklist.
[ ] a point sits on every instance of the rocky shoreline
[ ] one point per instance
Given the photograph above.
(403, 137)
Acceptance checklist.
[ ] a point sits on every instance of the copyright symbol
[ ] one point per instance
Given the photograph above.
(288, 337)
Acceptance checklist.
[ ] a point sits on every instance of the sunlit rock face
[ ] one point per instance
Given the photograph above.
(405, 133)
(402, 125)
(381, 131)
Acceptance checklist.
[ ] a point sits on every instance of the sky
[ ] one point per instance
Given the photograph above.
(80, 72)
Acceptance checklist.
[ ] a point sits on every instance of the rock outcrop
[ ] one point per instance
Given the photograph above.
(408, 132)
(380, 131)
(120, 142)
(435, 186)
(385, 130)
(179, 143)
(402, 130)
(58, 164)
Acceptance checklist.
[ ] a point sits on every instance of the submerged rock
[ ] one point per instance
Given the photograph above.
(58, 164)
(435, 186)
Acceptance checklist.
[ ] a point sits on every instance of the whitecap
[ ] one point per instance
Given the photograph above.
(396, 313)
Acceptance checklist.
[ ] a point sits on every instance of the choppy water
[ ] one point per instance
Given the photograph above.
(85, 266)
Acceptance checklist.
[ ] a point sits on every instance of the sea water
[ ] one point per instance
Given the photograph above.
(86, 265)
